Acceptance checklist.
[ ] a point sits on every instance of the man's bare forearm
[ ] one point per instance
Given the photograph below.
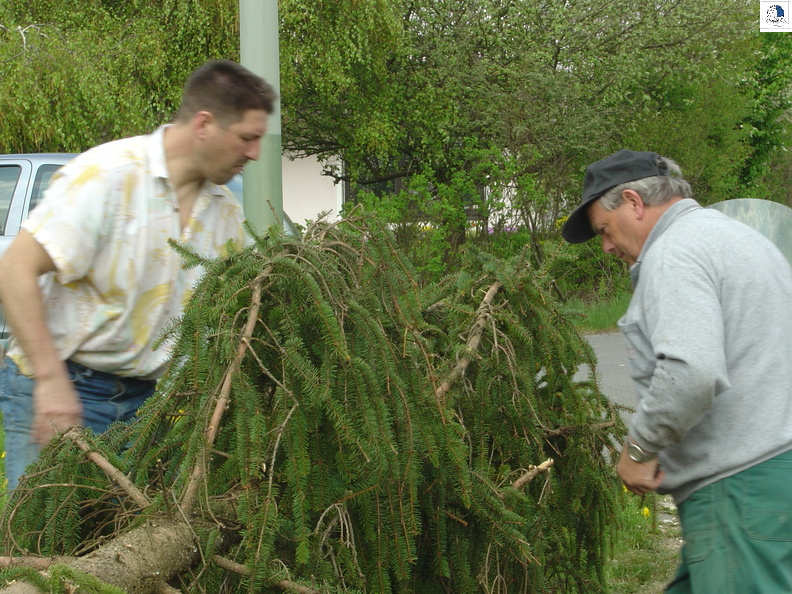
(56, 404)
(23, 302)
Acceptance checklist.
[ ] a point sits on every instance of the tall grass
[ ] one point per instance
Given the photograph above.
(3, 479)
(646, 547)
(599, 316)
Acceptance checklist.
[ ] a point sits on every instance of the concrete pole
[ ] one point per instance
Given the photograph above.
(260, 53)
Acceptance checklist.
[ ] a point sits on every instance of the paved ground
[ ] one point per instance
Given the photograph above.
(612, 374)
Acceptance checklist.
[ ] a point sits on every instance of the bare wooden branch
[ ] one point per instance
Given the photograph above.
(37, 563)
(567, 429)
(137, 561)
(297, 588)
(532, 472)
(230, 565)
(483, 315)
(111, 471)
(240, 569)
(19, 587)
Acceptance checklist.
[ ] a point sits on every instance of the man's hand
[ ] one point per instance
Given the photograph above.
(56, 407)
(639, 477)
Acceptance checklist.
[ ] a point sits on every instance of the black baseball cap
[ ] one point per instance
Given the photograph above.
(603, 175)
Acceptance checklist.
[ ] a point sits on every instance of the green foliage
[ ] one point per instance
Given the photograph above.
(583, 271)
(769, 87)
(80, 73)
(61, 579)
(375, 432)
(493, 109)
(427, 217)
(483, 111)
(52, 102)
(711, 150)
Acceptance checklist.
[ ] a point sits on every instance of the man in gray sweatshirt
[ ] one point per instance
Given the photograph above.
(709, 337)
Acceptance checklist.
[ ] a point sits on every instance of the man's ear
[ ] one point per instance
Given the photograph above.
(200, 122)
(635, 202)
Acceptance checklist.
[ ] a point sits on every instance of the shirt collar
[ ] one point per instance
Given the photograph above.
(674, 212)
(159, 166)
(156, 153)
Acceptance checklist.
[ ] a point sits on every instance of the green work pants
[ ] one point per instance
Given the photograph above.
(738, 533)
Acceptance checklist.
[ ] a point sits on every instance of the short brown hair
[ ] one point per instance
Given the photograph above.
(227, 90)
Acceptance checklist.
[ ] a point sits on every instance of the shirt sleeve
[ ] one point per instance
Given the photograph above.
(71, 218)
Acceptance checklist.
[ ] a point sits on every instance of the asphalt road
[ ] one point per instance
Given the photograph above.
(614, 381)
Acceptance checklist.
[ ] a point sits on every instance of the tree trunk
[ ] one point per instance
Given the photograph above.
(138, 561)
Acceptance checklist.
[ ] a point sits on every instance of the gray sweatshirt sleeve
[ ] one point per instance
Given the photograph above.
(675, 331)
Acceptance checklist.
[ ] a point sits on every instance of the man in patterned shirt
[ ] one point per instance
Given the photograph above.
(90, 282)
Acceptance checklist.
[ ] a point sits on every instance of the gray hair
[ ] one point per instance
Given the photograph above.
(655, 190)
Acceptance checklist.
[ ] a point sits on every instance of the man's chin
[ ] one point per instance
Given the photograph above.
(223, 179)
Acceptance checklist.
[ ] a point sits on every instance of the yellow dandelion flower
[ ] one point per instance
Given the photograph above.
(645, 511)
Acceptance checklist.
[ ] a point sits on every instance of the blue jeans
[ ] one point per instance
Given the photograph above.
(106, 399)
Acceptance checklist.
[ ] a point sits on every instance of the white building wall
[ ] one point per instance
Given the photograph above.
(307, 193)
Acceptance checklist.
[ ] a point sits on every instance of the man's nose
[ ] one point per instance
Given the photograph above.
(607, 245)
(253, 151)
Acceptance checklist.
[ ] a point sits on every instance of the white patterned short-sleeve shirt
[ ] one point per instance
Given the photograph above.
(105, 221)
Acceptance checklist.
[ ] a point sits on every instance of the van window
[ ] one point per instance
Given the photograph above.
(43, 176)
(9, 176)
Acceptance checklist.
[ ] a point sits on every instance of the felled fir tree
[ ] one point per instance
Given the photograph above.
(329, 425)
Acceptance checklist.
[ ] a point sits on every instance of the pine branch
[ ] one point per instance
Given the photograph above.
(199, 470)
(404, 418)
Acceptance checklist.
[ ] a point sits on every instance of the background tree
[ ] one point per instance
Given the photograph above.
(768, 122)
(440, 111)
(80, 73)
(496, 107)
